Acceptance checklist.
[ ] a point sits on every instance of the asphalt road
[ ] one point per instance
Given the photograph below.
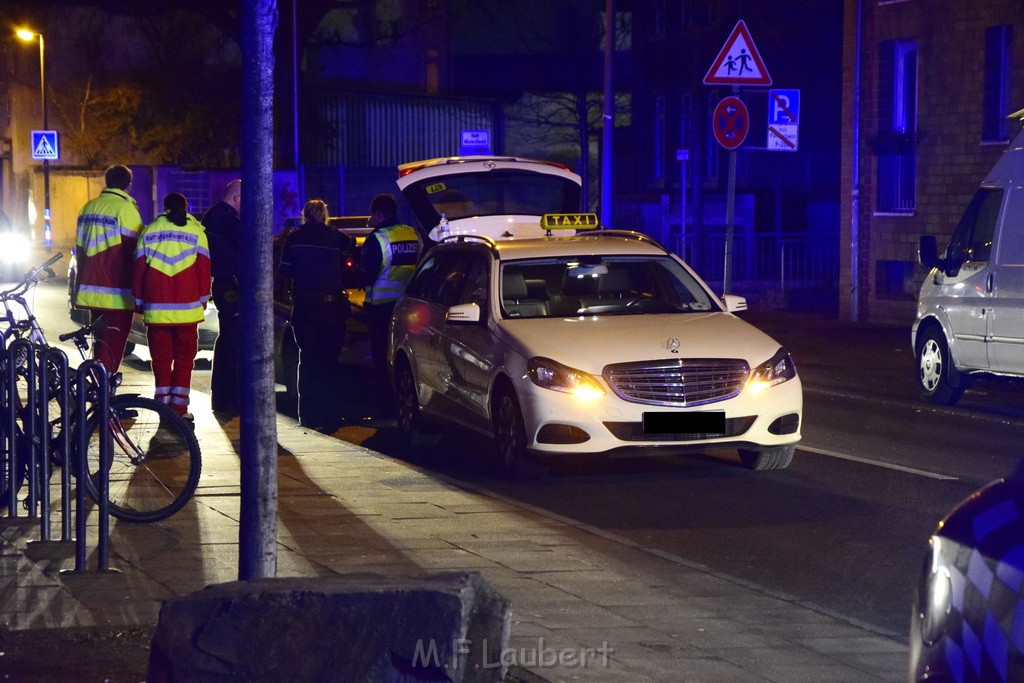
(844, 528)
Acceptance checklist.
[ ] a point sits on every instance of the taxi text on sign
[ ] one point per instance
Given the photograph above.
(738, 62)
(44, 145)
(783, 120)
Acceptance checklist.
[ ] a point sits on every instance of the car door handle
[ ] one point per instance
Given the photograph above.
(988, 283)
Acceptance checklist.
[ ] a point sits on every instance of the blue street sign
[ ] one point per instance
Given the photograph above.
(44, 145)
(783, 107)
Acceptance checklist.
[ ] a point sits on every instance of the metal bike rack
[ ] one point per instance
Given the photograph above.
(92, 375)
(48, 367)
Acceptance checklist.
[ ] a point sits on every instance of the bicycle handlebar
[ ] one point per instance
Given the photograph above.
(32, 277)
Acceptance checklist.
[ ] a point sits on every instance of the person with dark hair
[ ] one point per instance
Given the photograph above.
(387, 262)
(105, 241)
(312, 261)
(223, 227)
(171, 285)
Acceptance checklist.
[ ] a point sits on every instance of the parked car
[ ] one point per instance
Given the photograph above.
(968, 611)
(598, 343)
(137, 336)
(502, 197)
(970, 310)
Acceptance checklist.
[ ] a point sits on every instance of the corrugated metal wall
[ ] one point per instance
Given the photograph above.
(363, 130)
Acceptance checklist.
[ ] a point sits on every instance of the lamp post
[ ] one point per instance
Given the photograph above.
(28, 35)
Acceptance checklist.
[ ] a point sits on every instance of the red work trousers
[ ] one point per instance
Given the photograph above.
(110, 337)
(173, 349)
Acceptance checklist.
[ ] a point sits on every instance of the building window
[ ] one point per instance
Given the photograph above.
(997, 84)
(896, 142)
(659, 139)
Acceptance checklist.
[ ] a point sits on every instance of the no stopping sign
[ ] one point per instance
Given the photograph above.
(731, 122)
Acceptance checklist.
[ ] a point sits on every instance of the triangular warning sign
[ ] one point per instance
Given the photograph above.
(44, 150)
(739, 62)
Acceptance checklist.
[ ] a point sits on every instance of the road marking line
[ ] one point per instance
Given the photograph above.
(888, 465)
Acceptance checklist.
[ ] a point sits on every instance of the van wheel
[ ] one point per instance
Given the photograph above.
(933, 365)
(777, 458)
(510, 440)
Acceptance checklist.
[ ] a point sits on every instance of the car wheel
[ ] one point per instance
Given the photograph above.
(933, 366)
(410, 421)
(777, 458)
(510, 440)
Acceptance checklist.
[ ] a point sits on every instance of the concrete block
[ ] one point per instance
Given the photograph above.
(449, 626)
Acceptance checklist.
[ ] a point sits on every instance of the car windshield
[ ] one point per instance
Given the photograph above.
(592, 285)
(501, 192)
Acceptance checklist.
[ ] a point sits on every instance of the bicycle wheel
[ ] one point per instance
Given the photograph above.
(155, 459)
(21, 474)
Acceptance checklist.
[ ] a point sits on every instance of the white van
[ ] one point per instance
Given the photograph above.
(970, 311)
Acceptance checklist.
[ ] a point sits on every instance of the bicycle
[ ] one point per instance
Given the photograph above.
(155, 458)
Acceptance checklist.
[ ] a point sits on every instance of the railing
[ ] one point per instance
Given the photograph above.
(784, 260)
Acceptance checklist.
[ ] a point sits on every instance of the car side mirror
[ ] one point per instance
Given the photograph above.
(734, 303)
(463, 313)
(928, 253)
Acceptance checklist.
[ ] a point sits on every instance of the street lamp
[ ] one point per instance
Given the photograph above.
(28, 36)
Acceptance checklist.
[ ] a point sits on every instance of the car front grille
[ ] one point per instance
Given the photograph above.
(683, 382)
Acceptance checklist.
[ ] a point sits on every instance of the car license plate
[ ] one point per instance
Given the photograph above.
(710, 422)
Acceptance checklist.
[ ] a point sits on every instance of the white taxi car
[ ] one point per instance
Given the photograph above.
(596, 343)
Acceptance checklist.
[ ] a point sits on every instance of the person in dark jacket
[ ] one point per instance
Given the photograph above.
(222, 230)
(313, 260)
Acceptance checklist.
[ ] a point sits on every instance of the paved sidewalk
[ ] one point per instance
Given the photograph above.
(344, 508)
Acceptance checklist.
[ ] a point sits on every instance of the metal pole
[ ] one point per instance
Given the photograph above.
(730, 202)
(47, 230)
(855, 174)
(609, 115)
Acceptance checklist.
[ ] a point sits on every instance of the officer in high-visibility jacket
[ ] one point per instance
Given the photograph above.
(171, 285)
(108, 230)
(387, 260)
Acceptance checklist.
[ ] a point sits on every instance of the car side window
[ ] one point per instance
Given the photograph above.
(476, 286)
(972, 240)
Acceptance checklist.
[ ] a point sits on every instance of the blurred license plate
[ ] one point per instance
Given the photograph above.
(711, 422)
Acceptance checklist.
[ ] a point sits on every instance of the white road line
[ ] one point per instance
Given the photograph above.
(888, 465)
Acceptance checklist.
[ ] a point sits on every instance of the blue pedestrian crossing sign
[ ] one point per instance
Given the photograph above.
(44, 145)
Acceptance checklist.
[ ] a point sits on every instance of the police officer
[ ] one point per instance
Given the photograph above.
(223, 227)
(108, 231)
(387, 261)
(171, 285)
(313, 259)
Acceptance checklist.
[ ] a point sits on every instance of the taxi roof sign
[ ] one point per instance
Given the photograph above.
(569, 221)
(738, 62)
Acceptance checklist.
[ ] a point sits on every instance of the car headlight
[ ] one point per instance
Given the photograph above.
(776, 370)
(14, 247)
(549, 374)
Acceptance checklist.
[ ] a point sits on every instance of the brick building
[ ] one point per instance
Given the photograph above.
(937, 79)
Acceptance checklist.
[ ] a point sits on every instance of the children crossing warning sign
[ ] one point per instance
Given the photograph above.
(44, 145)
(738, 62)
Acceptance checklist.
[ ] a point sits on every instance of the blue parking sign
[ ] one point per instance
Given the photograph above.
(44, 145)
(783, 107)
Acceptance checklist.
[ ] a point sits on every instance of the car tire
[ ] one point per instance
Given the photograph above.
(510, 440)
(933, 367)
(777, 458)
(410, 420)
